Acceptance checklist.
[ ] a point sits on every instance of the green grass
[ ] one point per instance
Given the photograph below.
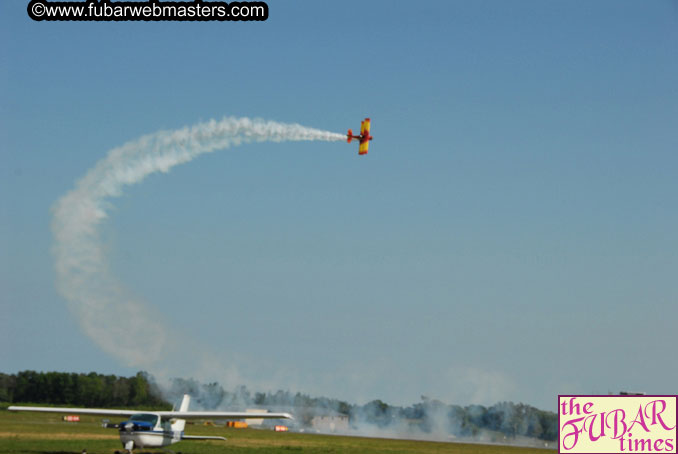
(41, 433)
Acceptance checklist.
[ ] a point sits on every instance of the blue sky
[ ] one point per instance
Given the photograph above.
(510, 236)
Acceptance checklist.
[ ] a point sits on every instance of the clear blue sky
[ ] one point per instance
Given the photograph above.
(511, 235)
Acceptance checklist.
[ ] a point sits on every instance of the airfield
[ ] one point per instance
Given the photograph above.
(35, 433)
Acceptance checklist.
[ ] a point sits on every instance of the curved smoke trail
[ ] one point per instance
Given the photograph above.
(117, 321)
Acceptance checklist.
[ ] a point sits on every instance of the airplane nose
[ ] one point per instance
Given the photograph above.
(129, 426)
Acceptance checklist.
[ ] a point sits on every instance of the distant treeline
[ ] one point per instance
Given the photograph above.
(428, 416)
(512, 420)
(80, 390)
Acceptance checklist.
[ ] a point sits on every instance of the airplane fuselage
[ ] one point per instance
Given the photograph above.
(148, 430)
(153, 439)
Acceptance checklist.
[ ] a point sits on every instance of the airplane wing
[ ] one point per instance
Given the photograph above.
(363, 147)
(78, 411)
(221, 415)
(164, 414)
(365, 127)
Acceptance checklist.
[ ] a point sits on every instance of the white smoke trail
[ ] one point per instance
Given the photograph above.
(118, 322)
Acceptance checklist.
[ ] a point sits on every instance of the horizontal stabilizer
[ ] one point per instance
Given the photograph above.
(199, 437)
(222, 415)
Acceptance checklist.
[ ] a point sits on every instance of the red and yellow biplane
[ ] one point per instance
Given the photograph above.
(364, 136)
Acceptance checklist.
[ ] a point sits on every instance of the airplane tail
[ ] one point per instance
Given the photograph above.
(179, 424)
(350, 136)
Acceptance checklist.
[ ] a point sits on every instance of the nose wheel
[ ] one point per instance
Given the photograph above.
(129, 446)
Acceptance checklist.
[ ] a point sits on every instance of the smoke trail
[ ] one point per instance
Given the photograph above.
(118, 322)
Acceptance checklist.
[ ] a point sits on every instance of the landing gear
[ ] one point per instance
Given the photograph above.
(129, 446)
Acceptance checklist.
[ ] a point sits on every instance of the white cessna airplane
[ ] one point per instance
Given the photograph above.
(156, 429)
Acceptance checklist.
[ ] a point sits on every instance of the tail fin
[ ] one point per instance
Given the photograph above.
(179, 424)
(184, 403)
(350, 136)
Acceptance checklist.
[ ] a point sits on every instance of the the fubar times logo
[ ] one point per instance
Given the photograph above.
(617, 424)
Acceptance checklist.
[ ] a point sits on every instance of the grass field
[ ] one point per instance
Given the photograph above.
(37, 433)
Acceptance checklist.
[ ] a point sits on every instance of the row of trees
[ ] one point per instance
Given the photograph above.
(429, 416)
(508, 418)
(82, 390)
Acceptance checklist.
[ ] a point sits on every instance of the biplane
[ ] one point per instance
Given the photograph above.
(364, 136)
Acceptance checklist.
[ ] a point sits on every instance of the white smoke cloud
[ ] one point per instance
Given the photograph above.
(119, 322)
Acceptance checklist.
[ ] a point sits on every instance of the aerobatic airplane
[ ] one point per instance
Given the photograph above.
(364, 136)
(156, 429)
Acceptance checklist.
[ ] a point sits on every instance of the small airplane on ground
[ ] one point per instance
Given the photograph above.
(156, 429)
(364, 136)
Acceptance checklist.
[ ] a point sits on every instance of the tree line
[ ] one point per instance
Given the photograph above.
(80, 390)
(507, 418)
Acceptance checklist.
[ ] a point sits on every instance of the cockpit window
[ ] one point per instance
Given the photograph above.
(145, 417)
